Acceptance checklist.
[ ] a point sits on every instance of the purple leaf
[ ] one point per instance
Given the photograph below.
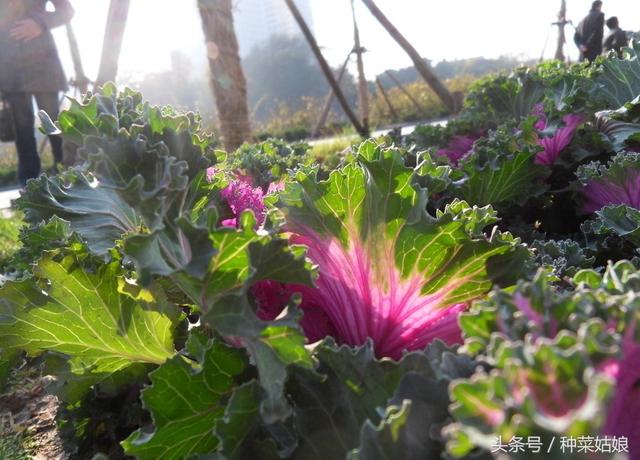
(601, 192)
(622, 418)
(458, 147)
(562, 137)
(386, 270)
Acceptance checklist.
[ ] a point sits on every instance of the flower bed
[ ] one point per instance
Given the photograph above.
(465, 291)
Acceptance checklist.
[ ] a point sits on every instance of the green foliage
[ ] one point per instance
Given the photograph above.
(373, 203)
(145, 172)
(559, 87)
(99, 214)
(622, 126)
(11, 447)
(111, 328)
(361, 409)
(621, 220)
(433, 175)
(330, 153)
(268, 161)
(619, 80)
(8, 359)
(502, 171)
(564, 257)
(129, 286)
(615, 171)
(9, 233)
(422, 103)
(546, 347)
(506, 97)
(186, 400)
(432, 136)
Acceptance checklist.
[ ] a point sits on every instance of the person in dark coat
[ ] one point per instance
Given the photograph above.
(616, 39)
(589, 33)
(30, 68)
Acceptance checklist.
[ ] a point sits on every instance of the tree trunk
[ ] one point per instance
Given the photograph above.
(227, 78)
(363, 86)
(562, 22)
(112, 44)
(326, 70)
(423, 68)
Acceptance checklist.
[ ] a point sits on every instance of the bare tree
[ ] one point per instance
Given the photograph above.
(423, 68)
(112, 44)
(228, 82)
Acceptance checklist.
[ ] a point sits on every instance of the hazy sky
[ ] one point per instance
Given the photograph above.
(446, 29)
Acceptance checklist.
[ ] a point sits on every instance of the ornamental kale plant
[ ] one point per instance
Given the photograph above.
(458, 147)
(433, 296)
(554, 145)
(144, 230)
(563, 362)
(613, 184)
(387, 270)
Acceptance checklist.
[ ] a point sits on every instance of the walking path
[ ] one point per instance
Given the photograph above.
(404, 131)
(7, 195)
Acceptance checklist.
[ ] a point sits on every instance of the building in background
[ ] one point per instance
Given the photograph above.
(257, 20)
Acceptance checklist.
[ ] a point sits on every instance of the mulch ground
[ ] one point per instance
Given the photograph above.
(28, 412)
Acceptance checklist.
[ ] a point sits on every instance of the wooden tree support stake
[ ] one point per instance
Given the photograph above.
(420, 64)
(562, 39)
(328, 102)
(81, 81)
(326, 70)
(401, 87)
(363, 86)
(392, 110)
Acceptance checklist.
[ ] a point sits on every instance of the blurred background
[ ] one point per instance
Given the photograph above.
(164, 54)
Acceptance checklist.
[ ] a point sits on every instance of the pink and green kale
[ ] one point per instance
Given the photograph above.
(239, 195)
(622, 415)
(617, 183)
(561, 137)
(565, 363)
(387, 271)
(459, 146)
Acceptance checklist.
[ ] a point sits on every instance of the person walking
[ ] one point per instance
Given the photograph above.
(30, 68)
(616, 39)
(590, 32)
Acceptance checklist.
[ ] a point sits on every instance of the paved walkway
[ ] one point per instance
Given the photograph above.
(8, 195)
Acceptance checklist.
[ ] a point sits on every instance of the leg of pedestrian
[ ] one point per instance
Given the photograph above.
(22, 111)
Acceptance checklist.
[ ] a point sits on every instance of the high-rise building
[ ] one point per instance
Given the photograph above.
(258, 20)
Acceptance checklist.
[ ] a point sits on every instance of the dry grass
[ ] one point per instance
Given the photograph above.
(9, 162)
